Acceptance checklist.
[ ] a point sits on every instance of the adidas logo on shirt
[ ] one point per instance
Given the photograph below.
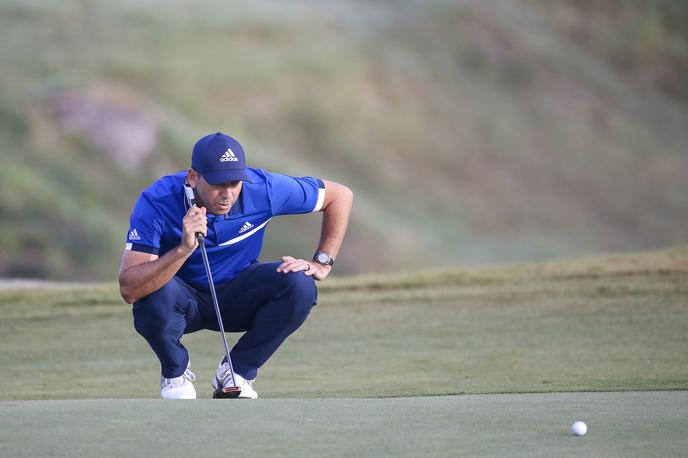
(134, 235)
(246, 227)
(228, 156)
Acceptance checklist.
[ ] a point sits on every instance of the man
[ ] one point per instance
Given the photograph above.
(163, 275)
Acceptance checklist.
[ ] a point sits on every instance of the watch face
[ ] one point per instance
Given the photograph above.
(323, 258)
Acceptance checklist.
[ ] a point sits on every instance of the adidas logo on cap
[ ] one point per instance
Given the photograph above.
(228, 156)
(134, 235)
(246, 227)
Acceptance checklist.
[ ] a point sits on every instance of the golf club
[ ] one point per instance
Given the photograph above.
(232, 391)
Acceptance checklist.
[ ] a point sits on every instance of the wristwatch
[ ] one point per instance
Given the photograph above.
(323, 258)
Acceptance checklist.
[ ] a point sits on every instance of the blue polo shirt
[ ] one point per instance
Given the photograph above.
(234, 240)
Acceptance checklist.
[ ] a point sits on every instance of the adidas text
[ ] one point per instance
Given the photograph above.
(229, 157)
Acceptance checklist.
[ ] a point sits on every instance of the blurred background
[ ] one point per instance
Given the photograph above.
(471, 132)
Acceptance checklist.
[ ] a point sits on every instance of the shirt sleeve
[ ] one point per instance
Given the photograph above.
(291, 195)
(145, 227)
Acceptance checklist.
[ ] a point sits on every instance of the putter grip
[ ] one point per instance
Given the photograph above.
(191, 200)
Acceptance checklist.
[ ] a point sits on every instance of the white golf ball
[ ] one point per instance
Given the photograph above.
(579, 428)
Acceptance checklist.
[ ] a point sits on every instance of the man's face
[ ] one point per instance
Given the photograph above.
(216, 198)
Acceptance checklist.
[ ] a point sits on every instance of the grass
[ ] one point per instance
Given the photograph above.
(616, 322)
(620, 424)
(376, 370)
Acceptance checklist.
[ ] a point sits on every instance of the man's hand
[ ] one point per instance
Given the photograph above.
(310, 268)
(194, 221)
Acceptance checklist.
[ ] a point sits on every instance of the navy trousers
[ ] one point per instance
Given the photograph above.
(267, 304)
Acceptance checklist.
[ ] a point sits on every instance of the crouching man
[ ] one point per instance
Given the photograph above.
(162, 272)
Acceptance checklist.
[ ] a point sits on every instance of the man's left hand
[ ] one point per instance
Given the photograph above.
(310, 268)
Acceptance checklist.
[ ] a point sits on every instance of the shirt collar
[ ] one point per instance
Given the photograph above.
(238, 206)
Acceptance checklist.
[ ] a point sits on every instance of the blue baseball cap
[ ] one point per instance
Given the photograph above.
(219, 158)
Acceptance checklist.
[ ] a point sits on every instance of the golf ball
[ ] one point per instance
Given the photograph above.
(579, 428)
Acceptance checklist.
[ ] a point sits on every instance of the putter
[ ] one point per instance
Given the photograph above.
(232, 391)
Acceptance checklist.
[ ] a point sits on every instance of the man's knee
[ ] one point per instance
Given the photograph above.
(152, 313)
(303, 292)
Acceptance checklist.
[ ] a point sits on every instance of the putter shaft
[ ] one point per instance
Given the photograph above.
(204, 254)
(191, 201)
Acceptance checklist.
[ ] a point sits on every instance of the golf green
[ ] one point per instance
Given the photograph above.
(620, 424)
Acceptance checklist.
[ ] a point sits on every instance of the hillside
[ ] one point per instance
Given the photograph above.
(469, 133)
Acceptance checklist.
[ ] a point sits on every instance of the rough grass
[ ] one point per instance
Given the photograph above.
(617, 322)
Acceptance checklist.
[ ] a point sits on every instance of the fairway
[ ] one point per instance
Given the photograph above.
(376, 369)
(620, 424)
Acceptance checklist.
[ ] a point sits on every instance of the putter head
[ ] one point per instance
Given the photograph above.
(229, 392)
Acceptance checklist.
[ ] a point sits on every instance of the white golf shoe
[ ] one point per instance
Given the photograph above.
(178, 387)
(223, 378)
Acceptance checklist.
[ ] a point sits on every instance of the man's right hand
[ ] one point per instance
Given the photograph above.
(194, 221)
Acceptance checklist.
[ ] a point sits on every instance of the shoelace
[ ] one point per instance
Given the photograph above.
(176, 381)
(238, 379)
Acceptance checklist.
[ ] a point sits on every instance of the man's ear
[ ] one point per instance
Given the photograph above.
(192, 176)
